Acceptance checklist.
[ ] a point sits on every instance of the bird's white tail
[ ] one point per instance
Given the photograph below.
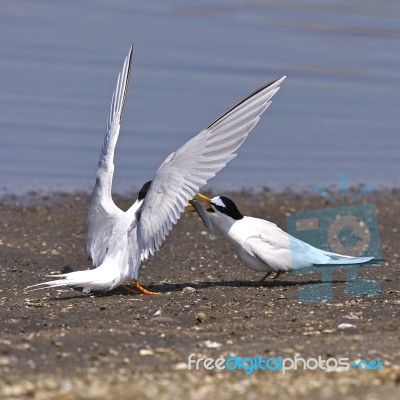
(339, 259)
(101, 278)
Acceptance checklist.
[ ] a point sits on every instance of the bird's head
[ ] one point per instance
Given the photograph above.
(221, 205)
(138, 206)
(143, 191)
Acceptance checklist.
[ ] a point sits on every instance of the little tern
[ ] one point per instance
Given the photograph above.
(263, 246)
(119, 241)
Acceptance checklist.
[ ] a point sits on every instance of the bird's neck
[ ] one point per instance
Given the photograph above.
(134, 208)
(223, 222)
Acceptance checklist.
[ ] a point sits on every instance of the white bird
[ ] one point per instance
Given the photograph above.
(263, 246)
(119, 241)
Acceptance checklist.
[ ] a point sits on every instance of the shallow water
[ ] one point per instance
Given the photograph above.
(336, 112)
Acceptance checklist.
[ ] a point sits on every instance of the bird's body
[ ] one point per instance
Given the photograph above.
(119, 241)
(264, 247)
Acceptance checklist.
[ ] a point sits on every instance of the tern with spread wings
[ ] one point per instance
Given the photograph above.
(119, 241)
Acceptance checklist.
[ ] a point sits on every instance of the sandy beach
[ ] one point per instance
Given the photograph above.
(64, 344)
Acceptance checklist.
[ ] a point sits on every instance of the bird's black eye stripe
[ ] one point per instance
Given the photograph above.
(220, 208)
(228, 208)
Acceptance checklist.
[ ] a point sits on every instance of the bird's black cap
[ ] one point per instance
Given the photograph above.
(143, 191)
(226, 206)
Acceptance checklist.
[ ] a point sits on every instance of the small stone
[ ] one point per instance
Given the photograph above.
(200, 317)
(146, 352)
(209, 344)
(8, 360)
(180, 366)
(346, 326)
(113, 352)
(188, 289)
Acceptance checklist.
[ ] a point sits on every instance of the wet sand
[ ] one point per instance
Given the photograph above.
(64, 344)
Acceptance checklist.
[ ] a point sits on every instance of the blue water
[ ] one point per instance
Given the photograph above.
(338, 110)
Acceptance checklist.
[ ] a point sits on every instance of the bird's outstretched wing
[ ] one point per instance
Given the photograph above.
(102, 210)
(106, 163)
(186, 170)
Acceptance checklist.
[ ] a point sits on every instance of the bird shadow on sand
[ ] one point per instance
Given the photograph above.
(197, 286)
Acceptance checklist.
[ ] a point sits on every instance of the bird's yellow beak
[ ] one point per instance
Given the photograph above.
(190, 208)
(204, 198)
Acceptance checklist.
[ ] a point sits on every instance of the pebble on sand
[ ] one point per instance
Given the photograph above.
(200, 317)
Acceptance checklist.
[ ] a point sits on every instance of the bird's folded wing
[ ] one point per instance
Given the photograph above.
(186, 170)
(283, 252)
(272, 251)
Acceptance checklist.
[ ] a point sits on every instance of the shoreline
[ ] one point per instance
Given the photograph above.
(32, 197)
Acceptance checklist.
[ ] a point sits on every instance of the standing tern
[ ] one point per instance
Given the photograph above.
(263, 246)
(119, 241)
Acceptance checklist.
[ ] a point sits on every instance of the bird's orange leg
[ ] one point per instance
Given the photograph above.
(279, 274)
(261, 281)
(139, 287)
